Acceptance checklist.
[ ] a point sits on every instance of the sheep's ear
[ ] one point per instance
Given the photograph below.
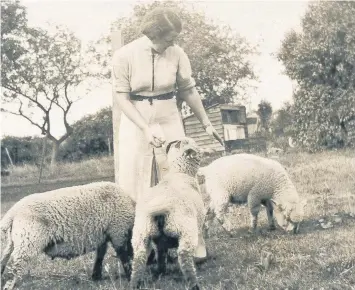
(170, 144)
(178, 144)
(189, 152)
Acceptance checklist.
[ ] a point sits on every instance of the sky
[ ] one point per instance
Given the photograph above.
(262, 23)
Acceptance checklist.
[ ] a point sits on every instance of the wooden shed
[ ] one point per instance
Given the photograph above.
(230, 122)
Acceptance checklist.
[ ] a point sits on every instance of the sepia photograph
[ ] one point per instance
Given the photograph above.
(177, 144)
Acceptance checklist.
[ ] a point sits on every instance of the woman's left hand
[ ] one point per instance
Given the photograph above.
(210, 130)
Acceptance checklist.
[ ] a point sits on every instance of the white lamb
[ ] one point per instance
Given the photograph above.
(247, 178)
(172, 214)
(67, 223)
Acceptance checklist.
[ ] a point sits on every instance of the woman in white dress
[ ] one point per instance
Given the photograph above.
(148, 74)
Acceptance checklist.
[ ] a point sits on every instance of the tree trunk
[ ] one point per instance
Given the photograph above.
(55, 151)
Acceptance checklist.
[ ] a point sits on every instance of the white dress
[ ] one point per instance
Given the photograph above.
(133, 73)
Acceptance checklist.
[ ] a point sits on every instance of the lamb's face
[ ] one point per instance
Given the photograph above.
(184, 152)
(288, 216)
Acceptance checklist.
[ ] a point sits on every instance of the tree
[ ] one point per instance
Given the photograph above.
(43, 78)
(282, 123)
(93, 134)
(219, 56)
(264, 112)
(13, 26)
(321, 59)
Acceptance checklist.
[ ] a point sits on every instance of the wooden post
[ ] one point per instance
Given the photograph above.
(109, 146)
(9, 156)
(117, 42)
(44, 150)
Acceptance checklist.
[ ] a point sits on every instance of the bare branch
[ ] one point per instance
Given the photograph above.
(66, 94)
(39, 105)
(69, 129)
(20, 113)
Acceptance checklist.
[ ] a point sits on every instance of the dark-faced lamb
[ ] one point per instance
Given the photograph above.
(173, 213)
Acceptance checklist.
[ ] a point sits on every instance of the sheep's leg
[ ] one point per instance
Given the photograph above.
(217, 209)
(210, 215)
(100, 255)
(125, 258)
(29, 242)
(162, 257)
(186, 261)
(141, 251)
(151, 258)
(254, 207)
(7, 253)
(270, 214)
(220, 211)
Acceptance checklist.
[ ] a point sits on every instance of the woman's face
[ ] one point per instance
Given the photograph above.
(162, 43)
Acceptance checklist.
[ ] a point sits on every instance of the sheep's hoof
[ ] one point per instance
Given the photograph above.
(200, 261)
(96, 276)
(196, 287)
(271, 228)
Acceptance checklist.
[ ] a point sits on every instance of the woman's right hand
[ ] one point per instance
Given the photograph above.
(152, 137)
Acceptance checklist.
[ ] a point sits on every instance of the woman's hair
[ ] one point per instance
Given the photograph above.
(159, 21)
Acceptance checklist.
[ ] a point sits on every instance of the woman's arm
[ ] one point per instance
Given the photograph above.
(188, 93)
(133, 114)
(130, 111)
(192, 98)
(121, 89)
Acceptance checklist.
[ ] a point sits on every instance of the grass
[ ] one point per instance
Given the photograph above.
(92, 168)
(316, 258)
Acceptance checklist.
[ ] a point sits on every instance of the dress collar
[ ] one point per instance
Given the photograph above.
(148, 45)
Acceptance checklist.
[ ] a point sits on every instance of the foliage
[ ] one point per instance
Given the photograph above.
(22, 150)
(219, 56)
(13, 27)
(92, 136)
(321, 58)
(43, 78)
(264, 112)
(282, 123)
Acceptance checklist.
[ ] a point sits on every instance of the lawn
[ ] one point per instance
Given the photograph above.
(321, 256)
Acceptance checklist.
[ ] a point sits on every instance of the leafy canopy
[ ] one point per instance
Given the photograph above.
(40, 71)
(321, 59)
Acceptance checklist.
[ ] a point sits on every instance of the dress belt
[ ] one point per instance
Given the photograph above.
(166, 96)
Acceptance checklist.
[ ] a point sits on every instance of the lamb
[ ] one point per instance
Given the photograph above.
(172, 214)
(67, 223)
(247, 178)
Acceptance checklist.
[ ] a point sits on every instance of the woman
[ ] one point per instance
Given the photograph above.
(148, 74)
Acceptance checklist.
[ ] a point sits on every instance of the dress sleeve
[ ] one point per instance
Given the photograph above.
(120, 72)
(184, 79)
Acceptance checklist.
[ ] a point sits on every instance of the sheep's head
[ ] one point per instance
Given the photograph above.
(184, 155)
(289, 215)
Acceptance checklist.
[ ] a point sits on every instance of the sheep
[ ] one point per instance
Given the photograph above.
(247, 178)
(67, 223)
(172, 214)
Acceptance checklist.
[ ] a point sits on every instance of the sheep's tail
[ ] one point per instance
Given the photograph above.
(159, 206)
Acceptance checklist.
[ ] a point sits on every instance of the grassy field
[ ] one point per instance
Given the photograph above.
(321, 256)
